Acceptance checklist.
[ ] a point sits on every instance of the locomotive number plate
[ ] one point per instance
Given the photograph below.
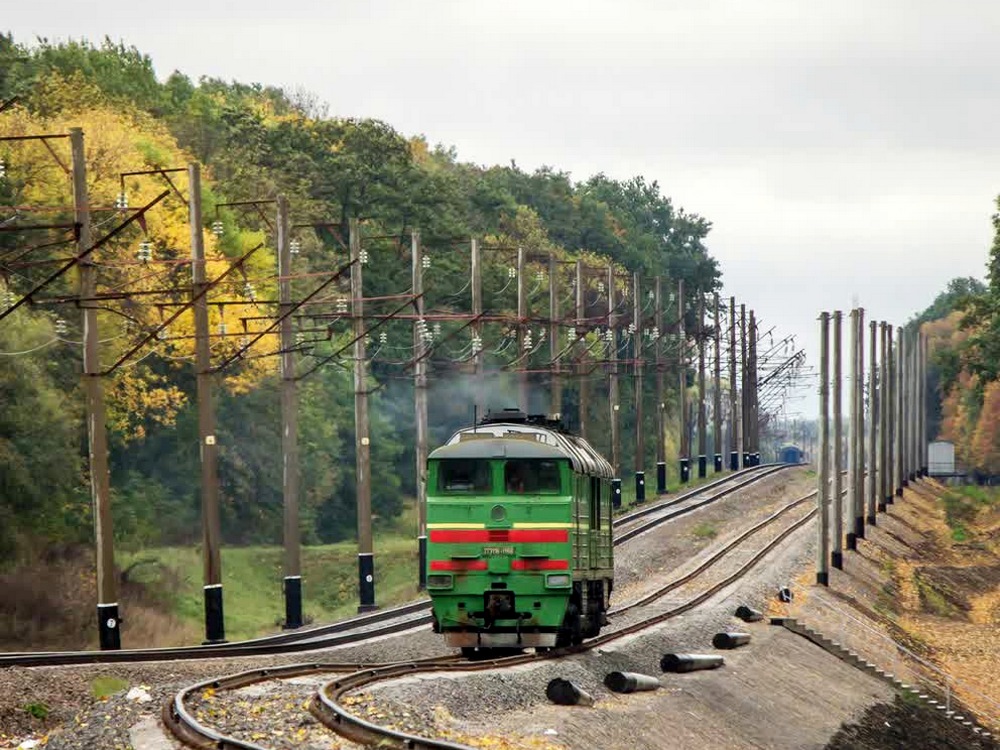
(498, 551)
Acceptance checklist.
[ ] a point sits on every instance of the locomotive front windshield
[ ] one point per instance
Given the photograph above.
(475, 476)
(465, 475)
(531, 476)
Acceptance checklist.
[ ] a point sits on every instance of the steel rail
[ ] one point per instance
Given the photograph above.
(189, 730)
(328, 710)
(311, 638)
(634, 532)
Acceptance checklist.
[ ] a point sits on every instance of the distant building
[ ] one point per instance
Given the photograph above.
(941, 459)
(790, 454)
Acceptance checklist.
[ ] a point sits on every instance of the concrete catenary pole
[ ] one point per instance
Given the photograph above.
(859, 448)
(640, 433)
(852, 428)
(890, 414)
(907, 406)
(362, 448)
(735, 410)
(685, 448)
(900, 428)
(108, 620)
(904, 384)
(583, 386)
(744, 390)
(292, 583)
(923, 404)
(555, 402)
(476, 281)
(420, 403)
(614, 392)
(524, 392)
(661, 407)
(837, 556)
(883, 415)
(702, 437)
(215, 631)
(873, 417)
(823, 494)
(752, 390)
(717, 387)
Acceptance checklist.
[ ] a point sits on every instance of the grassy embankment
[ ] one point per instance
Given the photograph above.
(252, 576)
(254, 604)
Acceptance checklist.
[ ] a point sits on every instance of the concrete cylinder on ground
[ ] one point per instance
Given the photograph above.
(565, 693)
(630, 682)
(730, 640)
(690, 662)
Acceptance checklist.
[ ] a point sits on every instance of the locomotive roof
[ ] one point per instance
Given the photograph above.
(499, 440)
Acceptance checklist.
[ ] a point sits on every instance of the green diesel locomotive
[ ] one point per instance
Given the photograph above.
(520, 550)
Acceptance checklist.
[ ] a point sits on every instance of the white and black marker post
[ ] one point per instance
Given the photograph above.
(823, 494)
(108, 620)
(289, 426)
(362, 448)
(837, 555)
(420, 403)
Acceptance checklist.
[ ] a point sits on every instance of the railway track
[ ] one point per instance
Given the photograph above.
(383, 622)
(327, 706)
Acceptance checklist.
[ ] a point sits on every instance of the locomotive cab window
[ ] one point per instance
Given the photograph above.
(524, 476)
(464, 475)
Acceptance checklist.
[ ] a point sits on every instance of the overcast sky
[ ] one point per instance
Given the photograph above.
(846, 152)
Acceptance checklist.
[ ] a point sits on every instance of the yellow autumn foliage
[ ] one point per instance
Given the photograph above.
(142, 295)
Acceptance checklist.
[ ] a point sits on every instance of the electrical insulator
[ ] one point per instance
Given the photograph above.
(299, 338)
(61, 327)
(145, 253)
(527, 340)
(249, 292)
(7, 297)
(425, 262)
(341, 305)
(437, 328)
(368, 340)
(600, 287)
(294, 247)
(3, 169)
(363, 257)
(511, 272)
(571, 334)
(222, 329)
(609, 335)
(121, 202)
(539, 276)
(631, 329)
(218, 228)
(477, 343)
(383, 338)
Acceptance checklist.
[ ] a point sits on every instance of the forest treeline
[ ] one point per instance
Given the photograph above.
(963, 330)
(255, 141)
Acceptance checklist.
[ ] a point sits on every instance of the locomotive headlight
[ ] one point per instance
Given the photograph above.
(439, 581)
(558, 580)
